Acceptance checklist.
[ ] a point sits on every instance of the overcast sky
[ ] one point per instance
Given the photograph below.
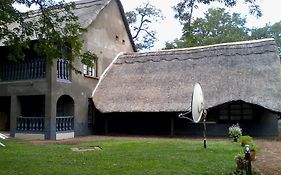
(170, 28)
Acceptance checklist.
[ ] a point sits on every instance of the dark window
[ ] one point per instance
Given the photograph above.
(236, 111)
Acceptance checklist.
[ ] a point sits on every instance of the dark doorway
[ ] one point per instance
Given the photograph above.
(5, 106)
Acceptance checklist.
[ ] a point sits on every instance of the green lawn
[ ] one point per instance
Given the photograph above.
(120, 156)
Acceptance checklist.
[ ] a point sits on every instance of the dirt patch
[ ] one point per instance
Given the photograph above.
(268, 160)
(86, 148)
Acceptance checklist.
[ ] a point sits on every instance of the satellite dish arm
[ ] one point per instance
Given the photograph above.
(182, 115)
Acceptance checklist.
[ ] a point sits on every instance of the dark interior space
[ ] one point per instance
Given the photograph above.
(32, 106)
(5, 105)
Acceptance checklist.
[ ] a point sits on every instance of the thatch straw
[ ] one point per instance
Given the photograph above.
(163, 80)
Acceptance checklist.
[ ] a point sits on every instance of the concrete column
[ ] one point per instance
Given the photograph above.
(50, 103)
(50, 118)
(14, 113)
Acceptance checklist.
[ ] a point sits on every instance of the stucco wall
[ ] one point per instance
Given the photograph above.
(100, 39)
(105, 36)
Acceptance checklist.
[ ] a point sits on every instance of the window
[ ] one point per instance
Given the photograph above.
(90, 71)
(236, 111)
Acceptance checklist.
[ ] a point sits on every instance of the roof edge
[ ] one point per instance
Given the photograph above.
(105, 72)
(126, 24)
(205, 47)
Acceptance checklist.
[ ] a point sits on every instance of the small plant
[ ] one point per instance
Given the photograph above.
(240, 161)
(235, 132)
(254, 147)
(245, 140)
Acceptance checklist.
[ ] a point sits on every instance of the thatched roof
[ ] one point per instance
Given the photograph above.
(87, 11)
(163, 81)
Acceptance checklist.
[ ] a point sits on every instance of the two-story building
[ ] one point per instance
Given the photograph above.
(44, 101)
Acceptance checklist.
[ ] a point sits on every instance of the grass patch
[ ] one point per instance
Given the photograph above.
(120, 156)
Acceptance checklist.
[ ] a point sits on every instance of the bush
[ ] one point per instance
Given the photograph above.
(245, 140)
(235, 132)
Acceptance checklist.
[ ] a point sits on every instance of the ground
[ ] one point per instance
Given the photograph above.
(269, 158)
(267, 162)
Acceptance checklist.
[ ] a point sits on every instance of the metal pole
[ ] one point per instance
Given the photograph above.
(204, 132)
(248, 160)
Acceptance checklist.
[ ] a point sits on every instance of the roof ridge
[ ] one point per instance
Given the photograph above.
(182, 50)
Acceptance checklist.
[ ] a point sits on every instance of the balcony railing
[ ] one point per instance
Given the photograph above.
(65, 123)
(24, 70)
(63, 69)
(35, 124)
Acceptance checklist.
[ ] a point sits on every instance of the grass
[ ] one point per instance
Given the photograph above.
(120, 156)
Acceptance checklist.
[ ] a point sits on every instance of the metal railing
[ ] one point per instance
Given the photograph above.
(30, 123)
(24, 70)
(63, 69)
(65, 123)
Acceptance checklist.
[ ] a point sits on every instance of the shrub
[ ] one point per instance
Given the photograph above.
(235, 132)
(245, 140)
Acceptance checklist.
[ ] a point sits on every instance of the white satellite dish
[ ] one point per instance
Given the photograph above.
(197, 103)
(197, 109)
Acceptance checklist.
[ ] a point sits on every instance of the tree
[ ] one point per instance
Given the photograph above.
(53, 25)
(140, 21)
(269, 31)
(185, 8)
(217, 26)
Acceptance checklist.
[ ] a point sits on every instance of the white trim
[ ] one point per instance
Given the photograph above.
(105, 72)
(26, 136)
(66, 135)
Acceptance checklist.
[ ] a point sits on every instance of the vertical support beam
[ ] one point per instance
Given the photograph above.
(105, 125)
(172, 126)
(14, 113)
(50, 103)
(50, 118)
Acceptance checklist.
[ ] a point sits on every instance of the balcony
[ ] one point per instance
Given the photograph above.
(30, 124)
(36, 124)
(32, 69)
(65, 123)
(24, 70)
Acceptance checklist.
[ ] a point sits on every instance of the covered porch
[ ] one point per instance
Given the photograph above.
(253, 119)
(30, 120)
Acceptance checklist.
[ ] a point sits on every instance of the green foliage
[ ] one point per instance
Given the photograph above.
(217, 26)
(140, 21)
(120, 156)
(245, 140)
(184, 9)
(254, 147)
(54, 26)
(235, 132)
(269, 31)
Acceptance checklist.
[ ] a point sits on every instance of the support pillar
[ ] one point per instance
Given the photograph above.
(105, 126)
(15, 111)
(172, 126)
(50, 118)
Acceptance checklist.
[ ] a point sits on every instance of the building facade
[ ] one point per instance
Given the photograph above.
(39, 100)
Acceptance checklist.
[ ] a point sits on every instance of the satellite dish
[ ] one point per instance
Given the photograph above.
(197, 103)
(197, 109)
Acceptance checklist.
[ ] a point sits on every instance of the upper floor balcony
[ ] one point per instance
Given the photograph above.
(31, 69)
